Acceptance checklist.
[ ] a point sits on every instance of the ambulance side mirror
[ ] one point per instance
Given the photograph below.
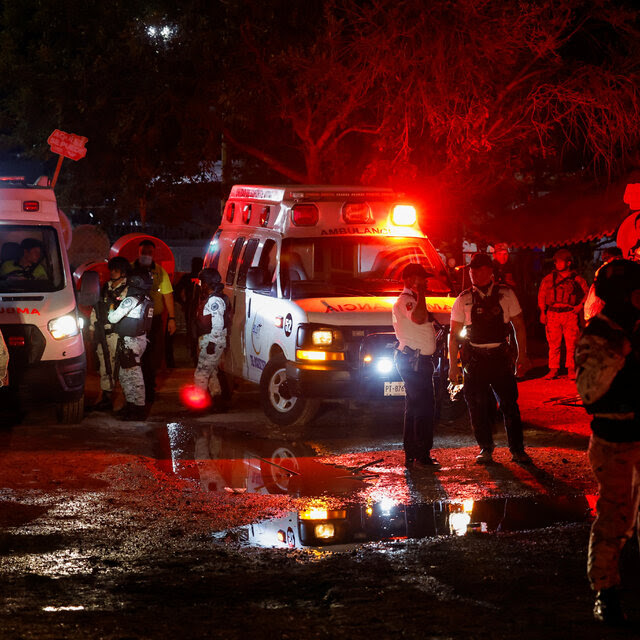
(258, 278)
(89, 293)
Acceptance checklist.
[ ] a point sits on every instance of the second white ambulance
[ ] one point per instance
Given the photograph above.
(312, 273)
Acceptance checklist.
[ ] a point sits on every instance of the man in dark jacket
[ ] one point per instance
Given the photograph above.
(608, 369)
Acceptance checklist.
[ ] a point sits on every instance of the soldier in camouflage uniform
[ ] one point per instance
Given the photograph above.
(103, 333)
(561, 298)
(212, 323)
(132, 319)
(608, 369)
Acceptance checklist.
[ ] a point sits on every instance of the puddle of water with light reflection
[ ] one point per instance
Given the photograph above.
(341, 529)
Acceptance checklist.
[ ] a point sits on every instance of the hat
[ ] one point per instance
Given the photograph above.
(415, 269)
(563, 254)
(480, 260)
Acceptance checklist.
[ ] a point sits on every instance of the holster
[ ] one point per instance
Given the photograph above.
(127, 358)
(413, 357)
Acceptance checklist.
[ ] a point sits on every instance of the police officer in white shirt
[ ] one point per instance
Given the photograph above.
(413, 325)
(484, 311)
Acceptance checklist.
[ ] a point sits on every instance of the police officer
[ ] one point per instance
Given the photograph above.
(413, 325)
(102, 332)
(213, 320)
(608, 361)
(483, 312)
(131, 320)
(561, 298)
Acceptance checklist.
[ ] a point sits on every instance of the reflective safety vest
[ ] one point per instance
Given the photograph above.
(138, 320)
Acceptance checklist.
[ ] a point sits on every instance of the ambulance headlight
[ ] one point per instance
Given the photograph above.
(322, 338)
(63, 327)
(324, 531)
(384, 365)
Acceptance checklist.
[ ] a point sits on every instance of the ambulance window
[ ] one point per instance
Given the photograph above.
(233, 260)
(213, 252)
(247, 259)
(269, 260)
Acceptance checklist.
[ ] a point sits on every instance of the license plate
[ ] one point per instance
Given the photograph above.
(394, 388)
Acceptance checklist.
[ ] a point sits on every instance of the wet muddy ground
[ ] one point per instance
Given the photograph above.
(205, 526)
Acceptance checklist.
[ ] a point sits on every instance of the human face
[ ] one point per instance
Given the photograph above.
(33, 255)
(415, 283)
(116, 274)
(481, 276)
(502, 257)
(561, 265)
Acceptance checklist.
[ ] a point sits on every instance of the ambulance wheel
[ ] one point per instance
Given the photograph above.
(70, 412)
(279, 405)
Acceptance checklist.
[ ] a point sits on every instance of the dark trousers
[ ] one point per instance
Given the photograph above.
(152, 357)
(419, 404)
(484, 371)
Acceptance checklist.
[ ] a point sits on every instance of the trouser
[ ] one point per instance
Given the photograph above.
(107, 381)
(419, 404)
(559, 324)
(486, 370)
(210, 353)
(616, 466)
(131, 378)
(153, 354)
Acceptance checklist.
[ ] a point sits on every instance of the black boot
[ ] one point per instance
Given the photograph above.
(607, 607)
(105, 403)
(136, 413)
(125, 412)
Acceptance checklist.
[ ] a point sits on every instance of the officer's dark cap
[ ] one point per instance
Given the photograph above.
(480, 260)
(415, 269)
(616, 280)
(210, 276)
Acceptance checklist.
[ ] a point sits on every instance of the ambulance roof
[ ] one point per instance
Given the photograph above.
(281, 193)
(20, 201)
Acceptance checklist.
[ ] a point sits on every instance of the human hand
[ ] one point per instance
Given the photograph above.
(523, 365)
(455, 374)
(171, 326)
(543, 317)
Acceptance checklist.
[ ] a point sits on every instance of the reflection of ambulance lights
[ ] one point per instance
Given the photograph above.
(194, 398)
(302, 354)
(322, 514)
(463, 332)
(404, 215)
(467, 506)
(458, 522)
(281, 535)
(279, 322)
(324, 530)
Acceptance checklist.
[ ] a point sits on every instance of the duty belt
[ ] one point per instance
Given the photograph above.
(561, 309)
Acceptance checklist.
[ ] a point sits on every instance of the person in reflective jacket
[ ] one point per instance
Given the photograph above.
(212, 320)
(131, 320)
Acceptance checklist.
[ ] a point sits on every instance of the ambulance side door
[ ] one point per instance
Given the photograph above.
(260, 312)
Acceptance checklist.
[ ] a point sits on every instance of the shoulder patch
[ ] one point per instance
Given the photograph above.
(127, 302)
(409, 306)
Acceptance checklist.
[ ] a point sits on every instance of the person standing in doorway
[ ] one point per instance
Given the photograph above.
(413, 326)
(162, 298)
(483, 313)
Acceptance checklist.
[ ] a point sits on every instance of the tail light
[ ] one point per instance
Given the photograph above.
(31, 205)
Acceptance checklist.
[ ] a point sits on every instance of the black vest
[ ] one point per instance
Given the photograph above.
(487, 318)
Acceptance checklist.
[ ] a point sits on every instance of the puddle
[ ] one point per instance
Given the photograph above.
(340, 529)
(220, 460)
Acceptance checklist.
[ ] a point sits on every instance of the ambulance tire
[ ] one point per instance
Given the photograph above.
(277, 403)
(70, 412)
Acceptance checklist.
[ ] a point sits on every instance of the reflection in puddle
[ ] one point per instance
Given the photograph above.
(222, 461)
(336, 528)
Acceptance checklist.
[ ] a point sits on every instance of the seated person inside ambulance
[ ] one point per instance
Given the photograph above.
(27, 266)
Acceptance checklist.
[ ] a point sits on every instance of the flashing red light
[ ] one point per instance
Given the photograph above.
(16, 341)
(264, 216)
(31, 205)
(305, 215)
(194, 397)
(231, 209)
(356, 213)
(246, 214)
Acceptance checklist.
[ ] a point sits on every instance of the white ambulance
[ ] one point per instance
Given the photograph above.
(38, 311)
(312, 273)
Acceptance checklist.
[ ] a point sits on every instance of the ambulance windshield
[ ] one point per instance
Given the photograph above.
(356, 265)
(30, 259)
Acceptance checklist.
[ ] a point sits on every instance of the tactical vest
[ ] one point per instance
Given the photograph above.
(108, 298)
(487, 318)
(139, 319)
(564, 291)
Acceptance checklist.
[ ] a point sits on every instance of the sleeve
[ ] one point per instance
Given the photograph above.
(124, 308)
(583, 284)
(4, 359)
(542, 292)
(165, 284)
(457, 311)
(513, 305)
(404, 306)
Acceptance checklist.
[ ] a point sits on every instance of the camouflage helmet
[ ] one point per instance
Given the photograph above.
(563, 254)
(210, 277)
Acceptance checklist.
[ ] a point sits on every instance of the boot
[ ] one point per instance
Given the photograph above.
(105, 404)
(137, 413)
(608, 609)
(125, 412)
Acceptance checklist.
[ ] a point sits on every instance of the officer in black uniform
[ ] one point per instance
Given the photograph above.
(479, 320)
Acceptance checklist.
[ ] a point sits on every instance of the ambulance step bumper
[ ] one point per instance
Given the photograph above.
(320, 381)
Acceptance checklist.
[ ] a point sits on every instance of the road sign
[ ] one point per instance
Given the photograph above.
(68, 145)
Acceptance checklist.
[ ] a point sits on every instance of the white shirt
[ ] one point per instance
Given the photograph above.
(409, 333)
(461, 310)
(215, 307)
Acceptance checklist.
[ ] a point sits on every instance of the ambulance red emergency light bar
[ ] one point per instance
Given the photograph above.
(385, 211)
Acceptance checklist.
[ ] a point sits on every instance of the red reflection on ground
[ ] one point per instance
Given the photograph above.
(194, 397)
